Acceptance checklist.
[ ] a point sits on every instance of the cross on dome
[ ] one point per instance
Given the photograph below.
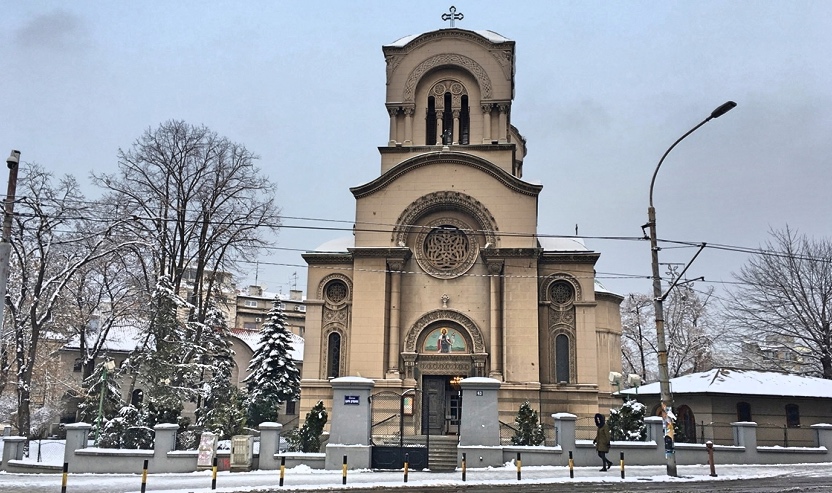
(452, 16)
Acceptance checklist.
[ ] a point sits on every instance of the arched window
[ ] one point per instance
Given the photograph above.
(333, 357)
(743, 411)
(792, 415)
(430, 122)
(136, 398)
(464, 122)
(448, 121)
(686, 425)
(562, 358)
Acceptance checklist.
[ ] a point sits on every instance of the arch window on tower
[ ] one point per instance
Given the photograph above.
(430, 122)
(448, 120)
(464, 122)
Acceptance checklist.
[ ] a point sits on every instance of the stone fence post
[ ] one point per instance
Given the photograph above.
(77, 435)
(269, 444)
(565, 430)
(351, 423)
(165, 440)
(823, 435)
(12, 449)
(655, 433)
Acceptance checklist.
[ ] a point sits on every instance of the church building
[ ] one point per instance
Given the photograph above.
(445, 276)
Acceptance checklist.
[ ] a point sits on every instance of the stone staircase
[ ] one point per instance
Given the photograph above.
(442, 455)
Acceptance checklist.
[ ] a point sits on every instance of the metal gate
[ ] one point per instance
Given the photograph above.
(396, 431)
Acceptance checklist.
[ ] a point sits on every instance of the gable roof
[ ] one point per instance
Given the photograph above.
(729, 381)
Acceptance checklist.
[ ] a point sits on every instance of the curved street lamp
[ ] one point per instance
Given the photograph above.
(658, 298)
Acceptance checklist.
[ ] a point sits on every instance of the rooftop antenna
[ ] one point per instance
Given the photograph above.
(256, 273)
(452, 16)
(294, 277)
(576, 229)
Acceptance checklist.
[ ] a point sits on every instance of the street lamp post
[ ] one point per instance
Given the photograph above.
(108, 366)
(658, 300)
(6, 241)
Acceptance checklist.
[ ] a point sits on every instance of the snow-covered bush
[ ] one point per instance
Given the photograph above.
(627, 422)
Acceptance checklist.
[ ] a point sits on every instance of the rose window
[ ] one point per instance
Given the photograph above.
(336, 292)
(446, 248)
(561, 292)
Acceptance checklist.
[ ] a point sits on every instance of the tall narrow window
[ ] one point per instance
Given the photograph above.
(562, 358)
(333, 365)
(136, 398)
(430, 123)
(792, 415)
(447, 121)
(464, 122)
(743, 411)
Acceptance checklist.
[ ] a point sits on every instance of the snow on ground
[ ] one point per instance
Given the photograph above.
(303, 477)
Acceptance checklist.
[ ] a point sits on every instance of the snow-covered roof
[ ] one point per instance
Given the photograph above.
(251, 338)
(742, 382)
(549, 244)
(337, 245)
(489, 35)
(124, 337)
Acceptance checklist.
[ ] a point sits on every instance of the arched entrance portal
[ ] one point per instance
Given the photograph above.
(442, 348)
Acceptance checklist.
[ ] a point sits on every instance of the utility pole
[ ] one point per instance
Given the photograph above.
(6, 241)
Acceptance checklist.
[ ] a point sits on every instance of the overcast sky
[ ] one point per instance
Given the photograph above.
(602, 90)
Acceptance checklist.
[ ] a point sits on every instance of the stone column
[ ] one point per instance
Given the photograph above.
(503, 126)
(565, 430)
(394, 350)
(479, 425)
(438, 128)
(393, 111)
(486, 123)
(408, 125)
(164, 442)
(352, 421)
(269, 444)
(455, 136)
(77, 435)
(495, 268)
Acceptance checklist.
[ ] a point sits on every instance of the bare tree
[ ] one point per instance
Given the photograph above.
(784, 304)
(688, 329)
(638, 331)
(203, 206)
(52, 239)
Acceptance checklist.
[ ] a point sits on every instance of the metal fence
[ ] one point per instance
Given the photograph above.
(47, 451)
(508, 432)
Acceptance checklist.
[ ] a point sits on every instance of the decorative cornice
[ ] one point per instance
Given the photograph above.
(569, 258)
(402, 253)
(447, 157)
(420, 149)
(314, 258)
(471, 65)
(493, 254)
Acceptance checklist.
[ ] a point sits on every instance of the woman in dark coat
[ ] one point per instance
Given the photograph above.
(602, 441)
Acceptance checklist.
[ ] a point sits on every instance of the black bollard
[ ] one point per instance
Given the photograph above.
(144, 476)
(571, 466)
(406, 464)
(214, 474)
(464, 464)
(282, 469)
(344, 471)
(710, 446)
(622, 465)
(64, 476)
(519, 466)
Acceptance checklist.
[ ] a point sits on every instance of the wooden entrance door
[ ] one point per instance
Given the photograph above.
(433, 404)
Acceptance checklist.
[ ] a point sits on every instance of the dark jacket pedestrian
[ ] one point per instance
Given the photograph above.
(602, 441)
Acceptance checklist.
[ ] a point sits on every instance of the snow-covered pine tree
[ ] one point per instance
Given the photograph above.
(273, 377)
(88, 408)
(159, 358)
(529, 431)
(627, 422)
(307, 438)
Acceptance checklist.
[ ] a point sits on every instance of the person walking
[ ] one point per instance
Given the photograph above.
(602, 441)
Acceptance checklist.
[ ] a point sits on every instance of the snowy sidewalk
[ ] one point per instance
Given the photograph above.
(303, 478)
